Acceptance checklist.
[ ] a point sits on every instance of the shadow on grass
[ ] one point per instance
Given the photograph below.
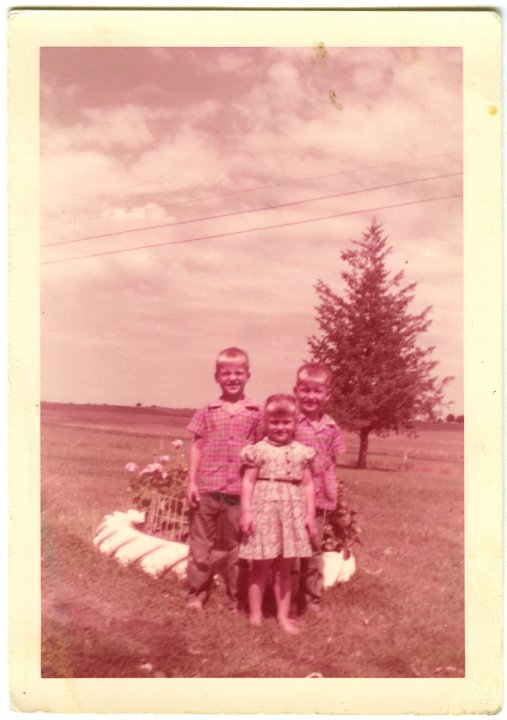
(103, 620)
(71, 649)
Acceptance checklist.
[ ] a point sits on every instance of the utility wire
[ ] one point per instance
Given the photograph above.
(241, 232)
(272, 185)
(251, 210)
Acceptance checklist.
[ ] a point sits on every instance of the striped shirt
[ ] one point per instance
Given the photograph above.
(326, 439)
(224, 435)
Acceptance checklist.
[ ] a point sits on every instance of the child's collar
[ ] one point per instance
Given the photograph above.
(247, 402)
(324, 419)
(275, 444)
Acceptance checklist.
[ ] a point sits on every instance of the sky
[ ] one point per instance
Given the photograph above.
(141, 147)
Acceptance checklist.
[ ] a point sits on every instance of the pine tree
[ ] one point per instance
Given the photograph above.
(382, 380)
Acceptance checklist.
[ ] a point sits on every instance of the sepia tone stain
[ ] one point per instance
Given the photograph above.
(334, 100)
(320, 52)
(320, 58)
(492, 109)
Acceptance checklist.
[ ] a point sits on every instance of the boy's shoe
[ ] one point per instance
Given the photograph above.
(194, 603)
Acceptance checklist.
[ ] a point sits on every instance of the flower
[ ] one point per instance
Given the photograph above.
(341, 530)
(177, 444)
(158, 478)
(131, 467)
(153, 467)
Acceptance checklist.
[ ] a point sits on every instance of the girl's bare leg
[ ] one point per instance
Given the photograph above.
(281, 587)
(256, 586)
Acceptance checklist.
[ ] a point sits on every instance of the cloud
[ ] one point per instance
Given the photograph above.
(148, 212)
(286, 81)
(125, 127)
(77, 172)
(177, 163)
(230, 62)
(161, 54)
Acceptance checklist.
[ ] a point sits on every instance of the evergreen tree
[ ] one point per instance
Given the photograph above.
(382, 380)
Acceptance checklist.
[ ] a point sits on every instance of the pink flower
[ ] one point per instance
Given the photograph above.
(177, 444)
(163, 459)
(151, 468)
(131, 467)
(154, 467)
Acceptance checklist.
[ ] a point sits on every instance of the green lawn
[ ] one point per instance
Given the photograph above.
(401, 614)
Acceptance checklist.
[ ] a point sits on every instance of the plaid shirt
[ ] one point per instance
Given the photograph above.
(327, 440)
(224, 434)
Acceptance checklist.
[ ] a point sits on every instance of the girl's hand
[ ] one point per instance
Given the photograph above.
(311, 527)
(245, 523)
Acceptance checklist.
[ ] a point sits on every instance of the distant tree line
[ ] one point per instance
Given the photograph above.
(455, 418)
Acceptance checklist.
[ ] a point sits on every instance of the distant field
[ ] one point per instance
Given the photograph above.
(401, 615)
(115, 417)
(436, 439)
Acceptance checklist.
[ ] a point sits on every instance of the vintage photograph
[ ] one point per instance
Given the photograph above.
(252, 411)
(255, 362)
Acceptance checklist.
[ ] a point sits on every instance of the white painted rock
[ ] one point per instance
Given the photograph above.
(118, 536)
(337, 569)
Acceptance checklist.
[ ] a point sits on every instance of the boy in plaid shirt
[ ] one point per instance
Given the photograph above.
(221, 429)
(317, 430)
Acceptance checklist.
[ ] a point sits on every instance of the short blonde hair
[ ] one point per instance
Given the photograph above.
(314, 371)
(232, 354)
(281, 405)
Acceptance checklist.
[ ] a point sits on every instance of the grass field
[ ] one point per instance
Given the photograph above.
(401, 614)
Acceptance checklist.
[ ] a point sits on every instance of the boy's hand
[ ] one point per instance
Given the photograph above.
(311, 527)
(192, 494)
(245, 523)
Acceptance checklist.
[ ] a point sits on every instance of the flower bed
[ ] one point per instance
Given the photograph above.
(158, 490)
(341, 530)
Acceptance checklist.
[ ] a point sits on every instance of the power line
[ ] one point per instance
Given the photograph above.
(241, 232)
(251, 210)
(272, 185)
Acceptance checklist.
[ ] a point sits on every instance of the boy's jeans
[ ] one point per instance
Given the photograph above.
(214, 527)
(308, 573)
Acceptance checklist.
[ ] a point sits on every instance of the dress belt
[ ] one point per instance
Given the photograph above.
(293, 481)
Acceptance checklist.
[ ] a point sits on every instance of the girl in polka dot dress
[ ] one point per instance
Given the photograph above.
(277, 508)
